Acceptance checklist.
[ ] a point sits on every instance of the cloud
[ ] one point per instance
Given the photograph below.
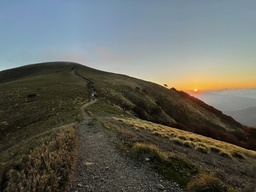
(245, 92)
(229, 99)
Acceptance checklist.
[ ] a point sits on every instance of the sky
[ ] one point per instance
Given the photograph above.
(203, 44)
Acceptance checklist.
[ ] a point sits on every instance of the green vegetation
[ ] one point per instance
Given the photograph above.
(32, 105)
(183, 156)
(187, 139)
(46, 167)
(40, 105)
(172, 168)
(148, 151)
(152, 102)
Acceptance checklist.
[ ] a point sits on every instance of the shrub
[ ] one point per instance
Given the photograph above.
(207, 183)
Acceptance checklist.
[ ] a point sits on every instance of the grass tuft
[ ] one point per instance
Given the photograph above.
(202, 149)
(235, 166)
(46, 167)
(238, 155)
(149, 151)
(225, 154)
(207, 183)
(189, 144)
(215, 149)
(172, 168)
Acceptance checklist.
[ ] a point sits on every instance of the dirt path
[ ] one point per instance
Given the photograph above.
(102, 168)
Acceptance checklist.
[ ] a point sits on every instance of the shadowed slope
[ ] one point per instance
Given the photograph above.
(156, 103)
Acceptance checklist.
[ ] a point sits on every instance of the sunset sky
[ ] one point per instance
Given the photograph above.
(203, 44)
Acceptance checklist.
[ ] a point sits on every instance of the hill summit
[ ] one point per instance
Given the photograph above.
(59, 118)
(145, 100)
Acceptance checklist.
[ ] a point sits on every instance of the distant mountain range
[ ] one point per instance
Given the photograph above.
(245, 116)
(238, 103)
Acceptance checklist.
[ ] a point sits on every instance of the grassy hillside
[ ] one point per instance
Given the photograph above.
(40, 106)
(33, 104)
(153, 102)
(194, 161)
(158, 104)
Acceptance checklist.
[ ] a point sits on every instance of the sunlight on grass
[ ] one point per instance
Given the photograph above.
(45, 167)
(191, 140)
(151, 151)
(207, 182)
(180, 156)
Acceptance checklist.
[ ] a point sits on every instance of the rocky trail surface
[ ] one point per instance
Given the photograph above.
(101, 167)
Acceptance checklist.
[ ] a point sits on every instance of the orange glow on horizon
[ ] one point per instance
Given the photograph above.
(213, 86)
(208, 83)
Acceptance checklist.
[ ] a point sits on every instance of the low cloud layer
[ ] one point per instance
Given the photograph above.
(238, 103)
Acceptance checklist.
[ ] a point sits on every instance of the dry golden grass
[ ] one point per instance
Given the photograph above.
(190, 140)
(26, 124)
(47, 166)
(152, 151)
(188, 154)
(207, 183)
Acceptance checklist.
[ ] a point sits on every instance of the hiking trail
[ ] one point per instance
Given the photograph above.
(101, 167)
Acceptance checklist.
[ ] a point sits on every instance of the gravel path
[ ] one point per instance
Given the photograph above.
(101, 167)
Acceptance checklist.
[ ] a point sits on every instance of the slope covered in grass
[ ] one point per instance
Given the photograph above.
(32, 103)
(46, 166)
(158, 104)
(192, 160)
(151, 121)
(153, 102)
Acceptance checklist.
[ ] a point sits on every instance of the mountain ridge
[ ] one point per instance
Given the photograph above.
(161, 126)
(166, 106)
